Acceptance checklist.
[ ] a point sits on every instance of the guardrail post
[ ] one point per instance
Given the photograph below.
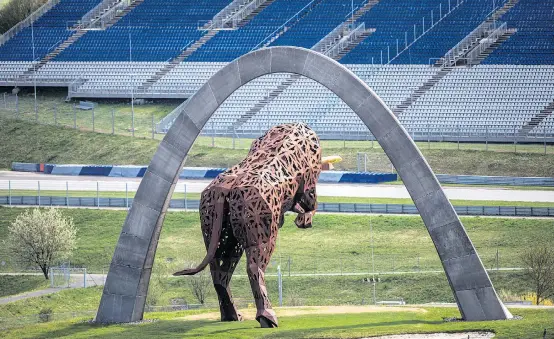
(213, 135)
(544, 137)
(428, 137)
(186, 197)
(486, 138)
(152, 126)
(458, 128)
(126, 195)
(515, 140)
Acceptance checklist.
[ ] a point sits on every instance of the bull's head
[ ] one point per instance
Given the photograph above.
(305, 201)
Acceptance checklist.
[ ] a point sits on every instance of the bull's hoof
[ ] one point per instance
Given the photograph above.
(266, 323)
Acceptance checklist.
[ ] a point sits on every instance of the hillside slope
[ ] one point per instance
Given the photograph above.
(30, 142)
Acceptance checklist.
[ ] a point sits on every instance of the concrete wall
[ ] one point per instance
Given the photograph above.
(124, 294)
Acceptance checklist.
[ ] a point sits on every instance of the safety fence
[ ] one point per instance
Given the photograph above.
(190, 204)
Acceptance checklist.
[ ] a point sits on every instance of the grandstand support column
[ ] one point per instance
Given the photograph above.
(125, 291)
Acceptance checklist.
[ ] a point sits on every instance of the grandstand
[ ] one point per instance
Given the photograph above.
(449, 69)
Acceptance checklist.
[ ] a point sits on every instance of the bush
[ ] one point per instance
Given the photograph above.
(16, 11)
(44, 315)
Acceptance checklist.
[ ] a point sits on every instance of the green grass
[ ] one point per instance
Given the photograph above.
(173, 325)
(400, 242)
(17, 284)
(321, 199)
(414, 288)
(29, 142)
(52, 109)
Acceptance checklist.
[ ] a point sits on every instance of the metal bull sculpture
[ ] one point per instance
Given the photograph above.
(243, 209)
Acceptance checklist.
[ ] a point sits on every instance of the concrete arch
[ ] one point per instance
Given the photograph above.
(124, 294)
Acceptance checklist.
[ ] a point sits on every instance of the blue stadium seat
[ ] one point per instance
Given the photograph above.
(533, 44)
(156, 30)
(48, 31)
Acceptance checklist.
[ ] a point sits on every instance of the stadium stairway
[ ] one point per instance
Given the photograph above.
(445, 70)
(195, 46)
(294, 77)
(418, 93)
(503, 10)
(536, 120)
(494, 46)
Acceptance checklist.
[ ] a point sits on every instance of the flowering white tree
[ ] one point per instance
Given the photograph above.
(40, 237)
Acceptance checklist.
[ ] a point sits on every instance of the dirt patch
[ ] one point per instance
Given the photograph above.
(250, 313)
(461, 335)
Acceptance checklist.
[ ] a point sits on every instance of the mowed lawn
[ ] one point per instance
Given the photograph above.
(305, 324)
(30, 142)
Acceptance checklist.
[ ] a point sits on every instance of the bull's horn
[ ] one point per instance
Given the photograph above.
(331, 159)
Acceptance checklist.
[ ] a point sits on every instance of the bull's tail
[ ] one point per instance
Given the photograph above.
(214, 241)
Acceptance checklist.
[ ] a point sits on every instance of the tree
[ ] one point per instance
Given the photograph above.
(41, 237)
(539, 265)
(16, 11)
(199, 284)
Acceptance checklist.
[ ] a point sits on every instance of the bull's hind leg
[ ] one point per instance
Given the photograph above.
(227, 254)
(222, 267)
(257, 259)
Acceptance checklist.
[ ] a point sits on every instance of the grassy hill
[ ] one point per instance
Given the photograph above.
(30, 142)
(337, 244)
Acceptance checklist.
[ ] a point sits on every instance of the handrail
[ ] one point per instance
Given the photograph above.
(90, 17)
(320, 45)
(485, 43)
(462, 46)
(272, 34)
(345, 41)
(109, 15)
(163, 124)
(27, 21)
(233, 13)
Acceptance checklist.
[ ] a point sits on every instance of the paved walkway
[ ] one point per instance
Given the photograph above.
(92, 280)
(32, 294)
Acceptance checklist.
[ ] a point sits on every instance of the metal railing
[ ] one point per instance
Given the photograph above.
(74, 86)
(330, 39)
(485, 43)
(164, 124)
(101, 10)
(27, 21)
(193, 204)
(275, 34)
(467, 43)
(108, 16)
(345, 41)
(229, 17)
